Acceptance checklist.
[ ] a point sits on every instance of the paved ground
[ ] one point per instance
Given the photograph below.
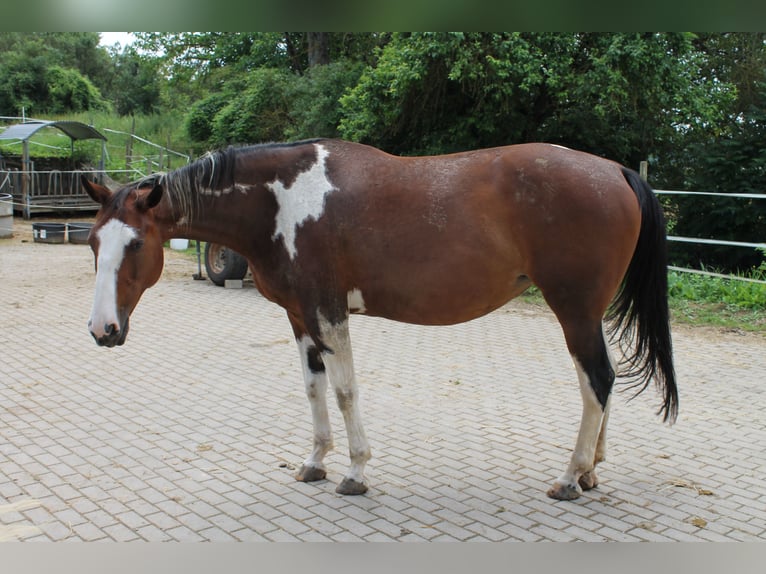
(192, 431)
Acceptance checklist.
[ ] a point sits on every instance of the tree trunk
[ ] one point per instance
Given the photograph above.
(318, 48)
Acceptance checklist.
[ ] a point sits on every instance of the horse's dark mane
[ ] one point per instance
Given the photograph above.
(212, 172)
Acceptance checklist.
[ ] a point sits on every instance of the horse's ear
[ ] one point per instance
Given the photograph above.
(97, 193)
(148, 200)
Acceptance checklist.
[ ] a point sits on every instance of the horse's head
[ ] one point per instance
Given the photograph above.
(127, 245)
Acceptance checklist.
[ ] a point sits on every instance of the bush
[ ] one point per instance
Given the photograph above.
(70, 91)
(274, 105)
(260, 113)
(315, 111)
(201, 117)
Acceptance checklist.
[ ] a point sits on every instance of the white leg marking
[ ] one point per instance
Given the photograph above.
(590, 425)
(113, 237)
(601, 445)
(316, 390)
(356, 302)
(340, 370)
(303, 200)
(600, 455)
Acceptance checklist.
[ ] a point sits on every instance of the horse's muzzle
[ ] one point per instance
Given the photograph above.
(113, 336)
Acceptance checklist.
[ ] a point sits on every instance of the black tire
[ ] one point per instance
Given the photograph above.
(221, 263)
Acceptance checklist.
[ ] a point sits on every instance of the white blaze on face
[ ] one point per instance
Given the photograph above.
(303, 200)
(113, 238)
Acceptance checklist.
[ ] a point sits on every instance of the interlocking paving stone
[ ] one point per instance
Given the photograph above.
(192, 431)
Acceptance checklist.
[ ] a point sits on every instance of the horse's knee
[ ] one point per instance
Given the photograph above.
(345, 398)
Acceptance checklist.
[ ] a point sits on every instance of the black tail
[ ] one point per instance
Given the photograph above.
(639, 317)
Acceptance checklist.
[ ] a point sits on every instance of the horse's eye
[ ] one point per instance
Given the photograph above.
(136, 245)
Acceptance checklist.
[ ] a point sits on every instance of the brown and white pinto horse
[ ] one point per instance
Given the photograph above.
(332, 228)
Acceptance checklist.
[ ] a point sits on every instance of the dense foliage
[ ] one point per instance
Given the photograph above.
(694, 105)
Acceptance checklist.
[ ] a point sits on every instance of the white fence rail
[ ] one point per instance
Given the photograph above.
(704, 241)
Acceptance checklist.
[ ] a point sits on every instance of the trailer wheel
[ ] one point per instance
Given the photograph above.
(221, 263)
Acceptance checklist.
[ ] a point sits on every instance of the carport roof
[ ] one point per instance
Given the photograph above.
(75, 130)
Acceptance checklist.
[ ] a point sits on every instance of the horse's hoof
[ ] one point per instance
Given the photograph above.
(351, 486)
(564, 491)
(311, 473)
(588, 480)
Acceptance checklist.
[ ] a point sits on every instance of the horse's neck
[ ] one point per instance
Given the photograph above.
(204, 217)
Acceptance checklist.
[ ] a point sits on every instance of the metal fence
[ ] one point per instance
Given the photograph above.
(703, 241)
(52, 191)
(55, 190)
(46, 191)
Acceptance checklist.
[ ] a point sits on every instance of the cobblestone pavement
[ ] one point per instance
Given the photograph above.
(192, 431)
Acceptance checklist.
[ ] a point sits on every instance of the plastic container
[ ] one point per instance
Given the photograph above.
(6, 215)
(49, 232)
(179, 244)
(77, 232)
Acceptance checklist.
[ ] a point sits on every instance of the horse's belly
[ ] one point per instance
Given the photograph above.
(450, 299)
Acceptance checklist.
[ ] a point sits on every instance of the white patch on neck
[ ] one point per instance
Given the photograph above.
(303, 200)
(113, 237)
(356, 302)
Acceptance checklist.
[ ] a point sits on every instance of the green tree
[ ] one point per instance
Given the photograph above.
(619, 95)
(263, 86)
(199, 53)
(51, 72)
(22, 81)
(135, 87)
(729, 159)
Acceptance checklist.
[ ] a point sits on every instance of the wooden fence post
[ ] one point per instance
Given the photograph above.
(129, 147)
(643, 170)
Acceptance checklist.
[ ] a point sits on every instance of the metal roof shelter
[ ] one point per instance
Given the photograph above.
(75, 130)
(24, 131)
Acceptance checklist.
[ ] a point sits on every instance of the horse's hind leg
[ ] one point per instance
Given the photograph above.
(596, 374)
(589, 480)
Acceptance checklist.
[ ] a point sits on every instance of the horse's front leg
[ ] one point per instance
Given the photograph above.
(315, 378)
(340, 370)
